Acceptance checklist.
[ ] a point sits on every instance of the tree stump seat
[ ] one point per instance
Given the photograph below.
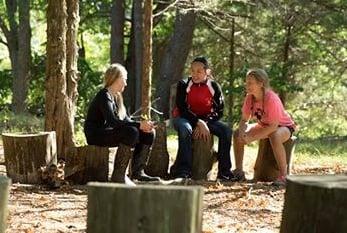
(144, 208)
(25, 154)
(314, 204)
(266, 168)
(91, 163)
(204, 157)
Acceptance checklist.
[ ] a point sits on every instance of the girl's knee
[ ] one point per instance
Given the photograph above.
(131, 135)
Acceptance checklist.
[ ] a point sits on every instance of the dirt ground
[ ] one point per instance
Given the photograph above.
(235, 207)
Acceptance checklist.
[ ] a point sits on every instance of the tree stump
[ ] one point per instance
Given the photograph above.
(26, 153)
(147, 209)
(87, 163)
(121, 162)
(203, 158)
(266, 168)
(4, 193)
(315, 204)
(158, 161)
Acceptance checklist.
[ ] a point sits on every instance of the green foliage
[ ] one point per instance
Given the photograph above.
(5, 90)
(25, 123)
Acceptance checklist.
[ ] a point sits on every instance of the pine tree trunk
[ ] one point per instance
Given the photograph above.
(117, 31)
(266, 168)
(4, 193)
(150, 209)
(315, 204)
(25, 154)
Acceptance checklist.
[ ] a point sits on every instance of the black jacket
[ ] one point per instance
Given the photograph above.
(102, 115)
(185, 112)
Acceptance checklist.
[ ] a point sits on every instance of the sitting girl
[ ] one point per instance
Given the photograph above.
(273, 122)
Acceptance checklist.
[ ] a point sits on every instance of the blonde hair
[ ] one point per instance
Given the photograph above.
(114, 72)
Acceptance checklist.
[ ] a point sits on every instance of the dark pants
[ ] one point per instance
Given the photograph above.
(183, 163)
(128, 135)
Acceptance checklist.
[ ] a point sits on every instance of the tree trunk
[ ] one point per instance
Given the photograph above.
(72, 74)
(149, 209)
(117, 31)
(25, 154)
(87, 163)
(19, 49)
(231, 73)
(266, 168)
(315, 204)
(61, 71)
(158, 161)
(147, 59)
(139, 47)
(203, 158)
(4, 193)
(20, 83)
(175, 56)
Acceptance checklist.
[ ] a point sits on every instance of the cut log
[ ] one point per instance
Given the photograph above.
(315, 204)
(148, 209)
(203, 158)
(266, 168)
(26, 153)
(121, 163)
(4, 193)
(158, 161)
(87, 163)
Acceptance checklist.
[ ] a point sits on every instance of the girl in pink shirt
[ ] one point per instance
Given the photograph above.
(273, 122)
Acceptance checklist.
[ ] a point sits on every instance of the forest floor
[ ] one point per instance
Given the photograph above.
(234, 207)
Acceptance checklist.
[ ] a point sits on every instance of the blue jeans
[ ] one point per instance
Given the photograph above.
(183, 164)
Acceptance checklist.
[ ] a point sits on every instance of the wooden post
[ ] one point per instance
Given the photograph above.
(158, 161)
(315, 203)
(203, 158)
(87, 163)
(4, 192)
(26, 153)
(266, 168)
(144, 208)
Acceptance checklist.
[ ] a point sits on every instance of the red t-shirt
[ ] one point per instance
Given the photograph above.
(200, 99)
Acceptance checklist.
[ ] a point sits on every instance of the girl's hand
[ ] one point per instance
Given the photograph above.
(147, 126)
(202, 131)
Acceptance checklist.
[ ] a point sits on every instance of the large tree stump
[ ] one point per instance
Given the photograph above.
(147, 209)
(315, 204)
(26, 153)
(121, 162)
(266, 168)
(203, 158)
(4, 192)
(158, 161)
(87, 163)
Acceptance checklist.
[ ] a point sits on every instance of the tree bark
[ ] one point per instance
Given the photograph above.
(158, 161)
(203, 158)
(117, 31)
(19, 50)
(25, 154)
(4, 193)
(61, 71)
(87, 163)
(147, 59)
(155, 209)
(175, 56)
(266, 168)
(315, 204)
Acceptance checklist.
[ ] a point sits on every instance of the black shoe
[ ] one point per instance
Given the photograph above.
(144, 177)
(226, 178)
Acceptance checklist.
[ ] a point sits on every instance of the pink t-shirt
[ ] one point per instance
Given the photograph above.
(272, 111)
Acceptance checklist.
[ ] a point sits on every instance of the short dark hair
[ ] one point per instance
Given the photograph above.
(202, 60)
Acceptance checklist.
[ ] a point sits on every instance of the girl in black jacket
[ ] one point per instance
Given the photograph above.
(107, 123)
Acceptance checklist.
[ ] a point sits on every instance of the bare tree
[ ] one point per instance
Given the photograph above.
(117, 31)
